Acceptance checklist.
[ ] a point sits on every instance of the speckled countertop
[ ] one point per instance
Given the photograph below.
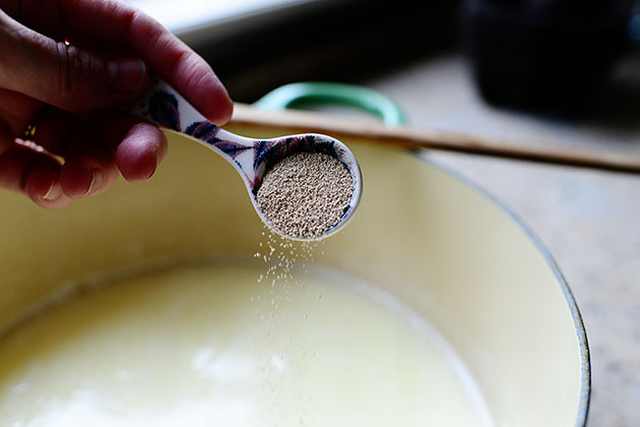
(588, 220)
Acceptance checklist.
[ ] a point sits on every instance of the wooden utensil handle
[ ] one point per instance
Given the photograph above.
(299, 121)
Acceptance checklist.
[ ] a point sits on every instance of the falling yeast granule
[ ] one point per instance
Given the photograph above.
(305, 195)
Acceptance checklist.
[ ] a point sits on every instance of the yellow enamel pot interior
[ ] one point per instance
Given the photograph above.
(441, 248)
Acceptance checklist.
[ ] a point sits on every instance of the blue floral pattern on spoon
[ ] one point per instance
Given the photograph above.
(250, 157)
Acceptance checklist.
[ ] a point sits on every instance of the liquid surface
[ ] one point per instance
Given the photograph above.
(210, 346)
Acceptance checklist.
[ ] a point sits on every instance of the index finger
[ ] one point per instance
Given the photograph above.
(116, 23)
(181, 67)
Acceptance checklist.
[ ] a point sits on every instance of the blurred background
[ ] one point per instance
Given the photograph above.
(546, 73)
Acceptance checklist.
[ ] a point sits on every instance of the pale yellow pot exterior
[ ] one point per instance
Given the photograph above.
(437, 243)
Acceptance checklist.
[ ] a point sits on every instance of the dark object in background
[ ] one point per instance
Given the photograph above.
(551, 56)
(344, 40)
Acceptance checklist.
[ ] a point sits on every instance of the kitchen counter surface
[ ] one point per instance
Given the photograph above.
(588, 220)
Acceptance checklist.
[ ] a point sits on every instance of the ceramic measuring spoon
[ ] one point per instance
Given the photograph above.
(250, 157)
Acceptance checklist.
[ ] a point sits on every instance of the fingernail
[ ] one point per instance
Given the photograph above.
(97, 180)
(151, 173)
(128, 76)
(155, 166)
(54, 193)
(162, 151)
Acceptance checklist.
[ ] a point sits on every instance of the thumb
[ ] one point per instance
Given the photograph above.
(65, 76)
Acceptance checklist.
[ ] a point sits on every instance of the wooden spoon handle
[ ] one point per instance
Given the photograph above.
(299, 121)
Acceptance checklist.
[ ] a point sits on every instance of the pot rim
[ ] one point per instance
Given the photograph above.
(581, 333)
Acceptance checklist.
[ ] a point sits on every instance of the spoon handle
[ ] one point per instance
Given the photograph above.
(165, 107)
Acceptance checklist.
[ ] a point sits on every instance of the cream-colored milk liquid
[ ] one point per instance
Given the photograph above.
(210, 346)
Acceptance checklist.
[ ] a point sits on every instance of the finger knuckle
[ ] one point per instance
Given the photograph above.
(195, 74)
(77, 71)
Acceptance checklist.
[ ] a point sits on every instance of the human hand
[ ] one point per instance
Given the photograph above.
(68, 93)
